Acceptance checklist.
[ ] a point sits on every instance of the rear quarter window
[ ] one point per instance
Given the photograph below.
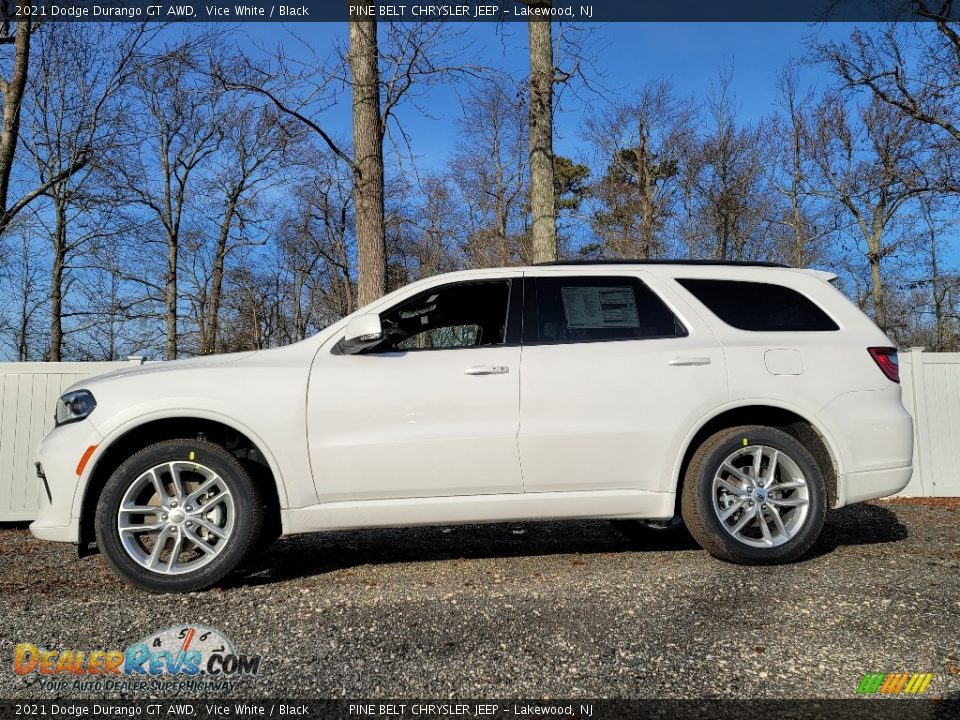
(759, 307)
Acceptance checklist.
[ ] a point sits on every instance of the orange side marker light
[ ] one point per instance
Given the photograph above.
(83, 460)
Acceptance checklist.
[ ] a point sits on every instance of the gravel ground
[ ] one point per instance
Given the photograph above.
(559, 609)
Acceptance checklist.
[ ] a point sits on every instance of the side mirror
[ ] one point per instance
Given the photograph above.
(363, 332)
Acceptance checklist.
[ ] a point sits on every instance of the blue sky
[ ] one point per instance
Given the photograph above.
(627, 54)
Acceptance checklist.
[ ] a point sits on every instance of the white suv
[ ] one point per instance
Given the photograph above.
(745, 399)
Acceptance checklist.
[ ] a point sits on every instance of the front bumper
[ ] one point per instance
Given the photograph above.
(58, 517)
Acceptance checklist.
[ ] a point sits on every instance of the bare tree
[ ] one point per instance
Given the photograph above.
(913, 65)
(178, 128)
(23, 279)
(543, 211)
(383, 73)
(74, 94)
(641, 144)
(802, 222)
(364, 61)
(724, 202)
(101, 83)
(872, 166)
(936, 292)
(245, 168)
(489, 168)
(431, 234)
(13, 89)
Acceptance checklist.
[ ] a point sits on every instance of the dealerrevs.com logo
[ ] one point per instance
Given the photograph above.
(181, 657)
(894, 683)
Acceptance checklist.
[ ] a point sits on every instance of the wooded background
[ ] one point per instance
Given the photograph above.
(170, 191)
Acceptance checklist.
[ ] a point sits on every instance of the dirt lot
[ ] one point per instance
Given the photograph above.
(561, 609)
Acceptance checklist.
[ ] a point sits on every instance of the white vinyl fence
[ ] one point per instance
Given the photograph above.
(28, 392)
(931, 392)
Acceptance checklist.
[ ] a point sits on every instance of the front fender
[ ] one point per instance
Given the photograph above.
(139, 415)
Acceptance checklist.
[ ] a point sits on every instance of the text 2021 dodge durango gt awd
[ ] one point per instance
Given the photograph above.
(738, 400)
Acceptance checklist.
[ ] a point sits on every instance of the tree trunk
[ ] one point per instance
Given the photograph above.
(209, 338)
(874, 244)
(55, 353)
(543, 211)
(23, 326)
(171, 297)
(368, 160)
(13, 90)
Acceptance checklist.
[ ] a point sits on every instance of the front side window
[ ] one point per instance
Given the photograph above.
(759, 307)
(590, 309)
(452, 316)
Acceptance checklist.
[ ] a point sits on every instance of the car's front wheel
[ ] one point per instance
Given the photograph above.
(178, 516)
(754, 495)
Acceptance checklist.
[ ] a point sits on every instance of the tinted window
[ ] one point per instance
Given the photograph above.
(463, 315)
(601, 308)
(761, 307)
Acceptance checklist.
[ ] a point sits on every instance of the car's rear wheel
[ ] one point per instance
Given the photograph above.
(754, 495)
(178, 516)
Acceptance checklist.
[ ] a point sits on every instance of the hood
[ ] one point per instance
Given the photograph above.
(167, 366)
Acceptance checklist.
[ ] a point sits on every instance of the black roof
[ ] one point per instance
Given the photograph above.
(627, 261)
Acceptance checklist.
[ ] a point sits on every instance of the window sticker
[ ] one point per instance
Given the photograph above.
(600, 307)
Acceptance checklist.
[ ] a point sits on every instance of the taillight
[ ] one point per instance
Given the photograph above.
(886, 360)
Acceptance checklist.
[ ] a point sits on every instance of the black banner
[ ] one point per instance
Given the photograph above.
(479, 10)
(854, 709)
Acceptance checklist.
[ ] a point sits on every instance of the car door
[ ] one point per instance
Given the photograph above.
(431, 411)
(613, 379)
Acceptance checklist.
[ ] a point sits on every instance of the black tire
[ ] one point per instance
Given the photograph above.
(643, 530)
(247, 525)
(698, 504)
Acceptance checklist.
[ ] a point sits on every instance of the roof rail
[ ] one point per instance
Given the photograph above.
(663, 261)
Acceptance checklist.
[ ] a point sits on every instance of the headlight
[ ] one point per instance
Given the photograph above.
(74, 406)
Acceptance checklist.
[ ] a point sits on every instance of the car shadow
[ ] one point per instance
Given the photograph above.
(316, 554)
(862, 524)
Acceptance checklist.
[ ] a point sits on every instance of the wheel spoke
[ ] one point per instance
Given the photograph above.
(204, 487)
(158, 486)
(730, 511)
(788, 502)
(737, 473)
(175, 553)
(792, 485)
(757, 461)
(216, 499)
(141, 509)
(764, 528)
(213, 527)
(778, 521)
(158, 547)
(771, 468)
(142, 528)
(747, 517)
(177, 482)
(735, 489)
(205, 547)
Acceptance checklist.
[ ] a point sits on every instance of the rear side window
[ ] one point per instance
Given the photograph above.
(589, 309)
(759, 307)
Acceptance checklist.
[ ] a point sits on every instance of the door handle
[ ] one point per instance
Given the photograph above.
(682, 360)
(487, 370)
